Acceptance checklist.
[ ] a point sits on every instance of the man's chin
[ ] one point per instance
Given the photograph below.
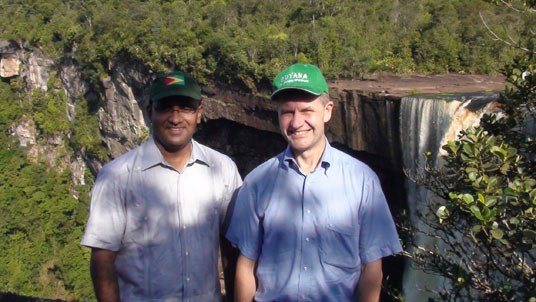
(174, 146)
(298, 148)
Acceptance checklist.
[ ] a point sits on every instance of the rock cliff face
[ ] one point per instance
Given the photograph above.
(360, 122)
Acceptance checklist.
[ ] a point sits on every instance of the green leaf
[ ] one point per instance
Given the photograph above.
(498, 151)
(453, 196)
(511, 152)
(505, 167)
(509, 192)
(490, 202)
(476, 211)
(476, 228)
(497, 234)
(469, 150)
(468, 198)
(472, 176)
(471, 170)
(493, 182)
(487, 214)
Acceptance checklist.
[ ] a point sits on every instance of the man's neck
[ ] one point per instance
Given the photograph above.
(177, 158)
(308, 160)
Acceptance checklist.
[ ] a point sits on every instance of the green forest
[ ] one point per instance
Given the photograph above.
(240, 43)
(246, 42)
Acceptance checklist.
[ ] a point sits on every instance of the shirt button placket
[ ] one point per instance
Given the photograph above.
(307, 248)
(186, 253)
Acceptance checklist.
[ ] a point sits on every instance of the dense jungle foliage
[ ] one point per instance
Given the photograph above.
(239, 42)
(245, 42)
(43, 214)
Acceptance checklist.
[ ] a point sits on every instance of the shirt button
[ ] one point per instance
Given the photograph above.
(188, 279)
(307, 239)
(305, 268)
(187, 253)
(308, 211)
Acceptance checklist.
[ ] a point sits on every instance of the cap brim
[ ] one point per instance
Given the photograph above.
(293, 88)
(167, 94)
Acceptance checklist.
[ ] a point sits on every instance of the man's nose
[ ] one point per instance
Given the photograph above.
(176, 114)
(297, 120)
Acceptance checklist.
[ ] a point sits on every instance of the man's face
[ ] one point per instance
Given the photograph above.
(174, 122)
(301, 121)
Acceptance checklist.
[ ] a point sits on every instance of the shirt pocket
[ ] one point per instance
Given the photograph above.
(339, 251)
(136, 221)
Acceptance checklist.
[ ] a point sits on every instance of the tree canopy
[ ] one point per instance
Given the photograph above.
(247, 42)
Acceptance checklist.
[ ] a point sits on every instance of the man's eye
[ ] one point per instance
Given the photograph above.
(187, 110)
(160, 108)
(167, 109)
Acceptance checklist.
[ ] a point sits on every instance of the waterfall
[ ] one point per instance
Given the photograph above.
(427, 122)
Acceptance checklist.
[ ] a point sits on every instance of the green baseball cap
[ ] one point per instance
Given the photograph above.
(174, 83)
(305, 77)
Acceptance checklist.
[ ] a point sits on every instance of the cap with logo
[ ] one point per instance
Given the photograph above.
(305, 77)
(174, 83)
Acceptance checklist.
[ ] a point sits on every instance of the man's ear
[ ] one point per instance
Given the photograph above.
(199, 113)
(328, 108)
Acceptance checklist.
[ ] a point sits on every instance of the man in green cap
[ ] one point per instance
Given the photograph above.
(312, 223)
(157, 211)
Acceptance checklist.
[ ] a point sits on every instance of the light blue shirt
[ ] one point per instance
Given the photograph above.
(311, 233)
(165, 224)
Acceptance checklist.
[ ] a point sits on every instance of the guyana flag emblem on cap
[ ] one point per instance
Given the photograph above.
(174, 80)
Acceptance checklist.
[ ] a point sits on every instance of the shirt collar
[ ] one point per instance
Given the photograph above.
(325, 161)
(198, 155)
(151, 155)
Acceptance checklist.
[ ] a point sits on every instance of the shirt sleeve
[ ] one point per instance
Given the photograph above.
(378, 237)
(107, 217)
(245, 231)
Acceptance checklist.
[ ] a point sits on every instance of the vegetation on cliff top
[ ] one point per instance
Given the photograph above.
(245, 42)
